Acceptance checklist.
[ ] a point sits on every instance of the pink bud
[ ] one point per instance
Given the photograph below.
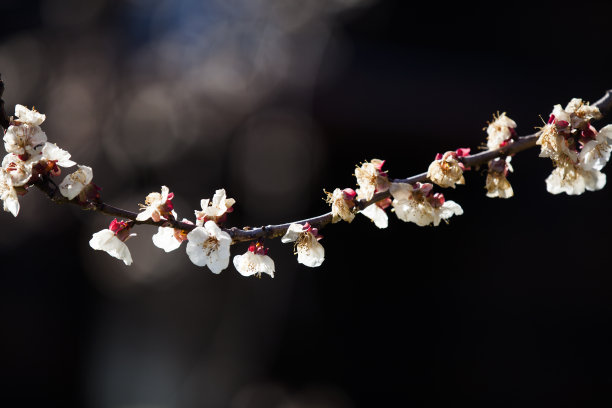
(437, 200)
(438, 156)
(378, 166)
(462, 152)
(349, 193)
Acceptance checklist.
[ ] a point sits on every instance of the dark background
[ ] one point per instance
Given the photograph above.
(508, 305)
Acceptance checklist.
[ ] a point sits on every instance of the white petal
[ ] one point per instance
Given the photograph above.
(448, 209)
(594, 155)
(107, 241)
(595, 180)
(219, 260)
(165, 191)
(62, 157)
(293, 233)
(401, 191)
(11, 205)
(218, 199)
(606, 133)
(196, 253)
(73, 184)
(8, 194)
(250, 264)
(165, 239)
(29, 116)
(310, 252)
(145, 214)
(376, 214)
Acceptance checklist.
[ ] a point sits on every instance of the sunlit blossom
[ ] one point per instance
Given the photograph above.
(577, 149)
(307, 247)
(376, 212)
(500, 131)
(447, 170)
(215, 209)
(112, 240)
(157, 205)
(417, 203)
(74, 183)
(168, 238)
(342, 203)
(254, 261)
(209, 246)
(371, 179)
(497, 184)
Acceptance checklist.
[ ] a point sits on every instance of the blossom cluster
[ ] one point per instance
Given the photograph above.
(207, 243)
(578, 151)
(500, 132)
(415, 203)
(31, 158)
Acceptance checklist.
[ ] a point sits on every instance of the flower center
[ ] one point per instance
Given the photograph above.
(302, 244)
(210, 245)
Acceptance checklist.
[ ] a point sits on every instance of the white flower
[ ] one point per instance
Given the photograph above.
(446, 171)
(579, 113)
(309, 251)
(157, 205)
(377, 214)
(18, 170)
(209, 246)
(342, 204)
(31, 117)
(74, 183)
(61, 157)
(499, 131)
(24, 139)
(371, 179)
(168, 238)
(24, 135)
(572, 180)
(497, 184)
(417, 204)
(111, 240)
(213, 211)
(554, 144)
(165, 239)
(254, 262)
(8, 195)
(578, 151)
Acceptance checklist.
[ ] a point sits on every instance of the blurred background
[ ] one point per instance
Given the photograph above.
(275, 100)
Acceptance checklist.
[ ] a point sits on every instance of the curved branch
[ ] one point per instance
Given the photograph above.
(272, 231)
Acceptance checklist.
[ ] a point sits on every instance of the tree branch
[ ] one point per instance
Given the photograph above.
(272, 231)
